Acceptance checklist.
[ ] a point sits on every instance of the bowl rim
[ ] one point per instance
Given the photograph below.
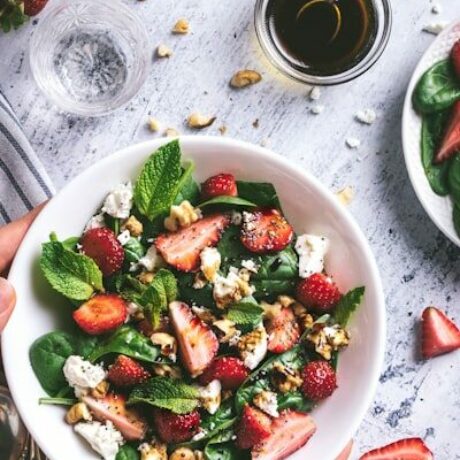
(267, 155)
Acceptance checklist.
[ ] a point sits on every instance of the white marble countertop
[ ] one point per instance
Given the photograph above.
(418, 264)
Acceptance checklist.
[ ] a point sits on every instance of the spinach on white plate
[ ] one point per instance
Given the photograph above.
(262, 194)
(347, 306)
(134, 250)
(454, 179)
(222, 447)
(127, 452)
(228, 202)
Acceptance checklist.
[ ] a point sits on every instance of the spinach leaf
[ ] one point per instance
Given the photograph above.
(219, 420)
(456, 218)
(190, 295)
(246, 313)
(127, 341)
(76, 276)
(48, 355)
(261, 193)
(134, 250)
(438, 88)
(231, 201)
(347, 305)
(166, 393)
(127, 452)
(295, 400)
(454, 179)
(224, 451)
(85, 344)
(433, 126)
(188, 188)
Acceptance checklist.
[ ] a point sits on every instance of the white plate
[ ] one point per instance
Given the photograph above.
(438, 208)
(309, 207)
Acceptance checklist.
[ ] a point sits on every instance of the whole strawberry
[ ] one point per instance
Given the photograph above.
(319, 380)
(221, 184)
(126, 372)
(455, 56)
(174, 428)
(33, 7)
(229, 370)
(319, 292)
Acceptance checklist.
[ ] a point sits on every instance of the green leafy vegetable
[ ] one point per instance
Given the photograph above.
(57, 401)
(456, 218)
(294, 400)
(127, 452)
(347, 305)
(76, 276)
(228, 201)
(166, 393)
(217, 450)
(454, 178)
(188, 189)
(246, 313)
(134, 250)
(261, 193)
(190, 295)
(71, 243)
(127, 341)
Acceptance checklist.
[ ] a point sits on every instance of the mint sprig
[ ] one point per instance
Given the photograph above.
(245, 313)
(347, 305)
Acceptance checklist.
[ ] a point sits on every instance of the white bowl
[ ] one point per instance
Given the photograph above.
(308, 206)
(439, 208)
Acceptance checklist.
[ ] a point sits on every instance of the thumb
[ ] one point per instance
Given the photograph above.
(7, 301)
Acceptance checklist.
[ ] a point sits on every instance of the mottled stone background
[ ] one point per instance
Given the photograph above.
(418, 265)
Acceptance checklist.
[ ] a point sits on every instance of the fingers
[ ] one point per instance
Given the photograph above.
(11, 236)
(7, 302)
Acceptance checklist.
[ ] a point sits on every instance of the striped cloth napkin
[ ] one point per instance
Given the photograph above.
(23, 180)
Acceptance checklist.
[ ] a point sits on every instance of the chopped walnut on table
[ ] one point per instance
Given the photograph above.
(182, 27)
(153, 124)
(244, 78)
(198, 121)
(171, 132)
(164, 51)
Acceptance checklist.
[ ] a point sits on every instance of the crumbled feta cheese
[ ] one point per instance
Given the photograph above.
(124, 237)
(253, 347)
(200, 435)
(119, 201)
(267, 402)
(317, 109)
(366, 116)
(167, 343)
(236, 218)
(248, 219)
(82, 375)
(133, 308)
(315, 93)
(311, 250)
(155, 450)
(435, 28)
(210, 262)
(104, 439)
(226, 330)
(210, 396)
(151, 260)
(250, 265)
(436, 8)
(353, 142)
(231, 288)
(96, 221)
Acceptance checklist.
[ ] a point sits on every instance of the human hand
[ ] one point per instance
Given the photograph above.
(11, 236)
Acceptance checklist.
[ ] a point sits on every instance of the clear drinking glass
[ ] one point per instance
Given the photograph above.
(89, 56)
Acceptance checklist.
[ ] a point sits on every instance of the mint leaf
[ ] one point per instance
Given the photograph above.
(347, 305)
(166, 393)
(245, 313)
(159, 181)
(76, 276)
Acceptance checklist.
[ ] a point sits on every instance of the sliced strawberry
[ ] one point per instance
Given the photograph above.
(174, 428)
(33, 7)
(265, 230)
(113, 408)
(126, 372)
(283, 331)
(451, 141)
(198, 344)
(221, 184)
(319, 380)
(439, 334)
(253, 428)
(102, 246)
(405, 449)
(318, 291)
(182, 249)
(290, 431)
(345, 454)
(100, 314)
(455, 56)
(229, 370)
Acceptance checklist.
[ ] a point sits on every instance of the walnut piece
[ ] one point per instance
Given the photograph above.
(154, 450)
(181, 216)
(345, 196)
(153, 124)
(101, 390)
(146, 277)
(223, 130)
(198, 121)
(182, 26)
(244, 78)
(327, 339)
(171, 132)
(77, 413)
(285, 379)
(167, 343)
(165, 370)
(134, 227)
(164, 51)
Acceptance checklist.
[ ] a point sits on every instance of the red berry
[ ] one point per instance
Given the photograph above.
(174, 428)
(404, 449)
(266, 230)
(229, 370)
(319, 380)
(221, 184)
(283, 331)
(455, 55)
(253, 428)
(451, 140)
(126, 372)
(102, 246)
(319, 292)
(33, 7)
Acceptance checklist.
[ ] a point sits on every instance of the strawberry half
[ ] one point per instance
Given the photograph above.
(439, 334)
(219, 185)
(290, 431)
(319, 380)
(126, 372)
(198, 344)
(113, 408)
(265, 230)
(102, 246)
(174, 428)
(451, 141)
(33, 7)
(229, 370)
(100, 314)
(182, 249)
(345, 454)
(283, 331)
(253, 428)
(318, 291)
(455, 57)
(405, 449)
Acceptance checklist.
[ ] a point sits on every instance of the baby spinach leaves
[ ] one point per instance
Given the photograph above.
(294, 400)
(222, 447)
(454, 179)
(263, 194)
(134, 250)
(347, 305)
(127, 452)
(229, 201)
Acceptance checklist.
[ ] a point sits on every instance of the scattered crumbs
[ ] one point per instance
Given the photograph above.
(255, 123)
(171, 132)
(352, 142)
(153, 124)
(164, 51)
(435, 28)
(182, 26)
(345, 196)
(366, 116)
(315, 93)
(265, 142)
(222, 130)
(317, 109)
(436, 8)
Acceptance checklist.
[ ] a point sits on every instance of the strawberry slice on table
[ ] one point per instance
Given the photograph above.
(290, 431)
(219, 185)
(126, 372)
(455, 56)
(33, 7)
(405, 449)
(102, 246)
(182, 249)
(229, 370)
(113, 408)
(319, 380)
(100, 314)
(345, 454)
(265, 230)
(283, 331)
(439, 334)
(318, 291)
(198, 345)
(450, 144)
(174, 428)
(253, 428)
